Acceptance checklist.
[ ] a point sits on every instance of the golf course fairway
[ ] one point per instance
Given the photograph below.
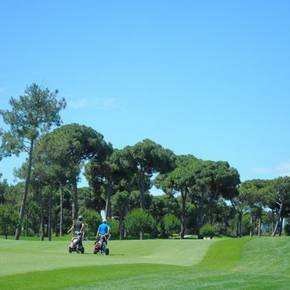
(257, 263)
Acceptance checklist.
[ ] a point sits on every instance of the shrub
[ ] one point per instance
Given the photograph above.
(114, 228)
(287, 229)
(170, 224)
(92, 220)
(139, 220)
(207, 231)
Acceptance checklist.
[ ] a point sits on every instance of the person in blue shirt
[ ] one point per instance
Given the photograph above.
(103, 229)
(103, 234)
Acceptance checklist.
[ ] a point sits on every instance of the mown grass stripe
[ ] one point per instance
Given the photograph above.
(78, 277)
(223, 254)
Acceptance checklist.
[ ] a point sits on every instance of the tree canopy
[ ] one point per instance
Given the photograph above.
(33, 114)
(197, 195)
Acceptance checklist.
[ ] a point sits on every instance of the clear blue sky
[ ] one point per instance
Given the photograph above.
(210, 78)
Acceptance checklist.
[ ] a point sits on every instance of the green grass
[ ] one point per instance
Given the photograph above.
(224, 255)
(27, 256)
(259, 263)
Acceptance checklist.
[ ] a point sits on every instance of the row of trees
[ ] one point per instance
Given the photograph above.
(196, 192)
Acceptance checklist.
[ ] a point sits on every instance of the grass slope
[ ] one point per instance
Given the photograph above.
(261, 263)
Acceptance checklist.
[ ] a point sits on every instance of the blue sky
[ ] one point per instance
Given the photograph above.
(210, 78)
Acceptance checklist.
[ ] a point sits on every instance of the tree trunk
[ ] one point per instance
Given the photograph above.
(259, 227)
(75, 206)
(42, 234)
(278, 221)
(49, 217)
(121, 228)
(142, 234)
(183, 204)
(237, 228)
(41, 228)
(60, 210)
(281, 226)
(141, 187)
(108, 211)
(251, 225)
(210, 214)
(142, 192)
(275, 229)
(273, 221)
(24, 199)
(200, 217)
(239, 224)
(26, 226)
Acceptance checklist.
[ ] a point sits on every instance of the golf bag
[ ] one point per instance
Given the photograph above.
(101, 245)
(76, 244)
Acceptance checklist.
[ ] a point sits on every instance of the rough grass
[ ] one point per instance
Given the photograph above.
(259, 263)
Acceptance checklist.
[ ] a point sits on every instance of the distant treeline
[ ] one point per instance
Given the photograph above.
(201, 197)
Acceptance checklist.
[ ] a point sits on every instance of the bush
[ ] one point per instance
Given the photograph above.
(114, 228)
(207, 231)
(287, 229)
(92, 219)
(170, 224)
(139, 220)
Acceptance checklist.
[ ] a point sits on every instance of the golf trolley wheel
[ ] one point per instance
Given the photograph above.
(83, 250)
(69, 250)
(107, 252)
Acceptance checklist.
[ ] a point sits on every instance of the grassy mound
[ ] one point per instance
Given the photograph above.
(261, 263)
